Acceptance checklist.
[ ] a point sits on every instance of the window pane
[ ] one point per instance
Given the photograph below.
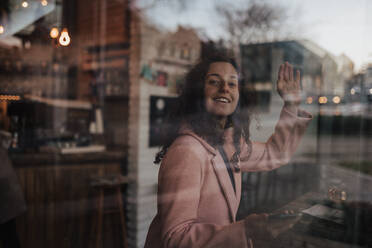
(93, 92)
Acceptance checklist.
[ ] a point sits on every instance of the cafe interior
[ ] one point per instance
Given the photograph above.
(84, 86)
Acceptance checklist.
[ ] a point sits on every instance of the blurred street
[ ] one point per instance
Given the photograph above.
(316, 165)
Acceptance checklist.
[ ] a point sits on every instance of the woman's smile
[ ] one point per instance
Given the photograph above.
(222, 100)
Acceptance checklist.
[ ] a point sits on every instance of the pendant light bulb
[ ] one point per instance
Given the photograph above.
(54, 32)
(64, 39)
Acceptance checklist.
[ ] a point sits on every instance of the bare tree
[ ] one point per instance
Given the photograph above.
(251, 23)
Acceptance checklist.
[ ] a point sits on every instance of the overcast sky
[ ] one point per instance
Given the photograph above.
(339, 26)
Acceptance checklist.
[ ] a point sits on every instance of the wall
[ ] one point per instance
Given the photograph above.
(102, 34)
(145, 42)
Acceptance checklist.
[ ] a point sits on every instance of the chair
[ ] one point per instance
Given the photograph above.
(101, 184)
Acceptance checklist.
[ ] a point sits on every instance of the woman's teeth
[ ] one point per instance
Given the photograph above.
(221, 99)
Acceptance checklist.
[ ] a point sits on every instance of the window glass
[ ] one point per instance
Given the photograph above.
(92, 92)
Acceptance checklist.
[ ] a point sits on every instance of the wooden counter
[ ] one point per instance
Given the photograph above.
(61, 200)
(48, 158)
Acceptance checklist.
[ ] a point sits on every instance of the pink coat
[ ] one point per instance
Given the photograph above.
(197, 204)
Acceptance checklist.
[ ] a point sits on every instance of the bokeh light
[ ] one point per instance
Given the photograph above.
(323, 100)
(54, 32)
(336, 99)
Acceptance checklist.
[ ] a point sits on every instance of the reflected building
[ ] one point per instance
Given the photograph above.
(359, 86)
(368, 83)
(321, 72)
(260, 63)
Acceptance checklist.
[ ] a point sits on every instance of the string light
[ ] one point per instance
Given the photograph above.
(2, 29)
(9, 98)
(64, 39)
(24, 4)
(54, 32)
(44, 3)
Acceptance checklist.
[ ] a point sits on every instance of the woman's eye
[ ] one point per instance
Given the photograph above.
(232, 84)
(214, 82)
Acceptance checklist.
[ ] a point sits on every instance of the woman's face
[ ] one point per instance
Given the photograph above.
(221, 89)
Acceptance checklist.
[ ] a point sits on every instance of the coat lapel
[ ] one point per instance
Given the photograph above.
(238, 185)
(223, 177)
(225, 183)
(230, 150)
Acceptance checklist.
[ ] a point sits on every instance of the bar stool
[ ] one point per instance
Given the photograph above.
(102, 183)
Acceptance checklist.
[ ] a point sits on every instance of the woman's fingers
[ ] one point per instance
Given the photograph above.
(286, 76)
(281, 72)
(298, 76)
(286, 73)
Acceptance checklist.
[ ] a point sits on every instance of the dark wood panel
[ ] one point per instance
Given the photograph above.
(62, 206)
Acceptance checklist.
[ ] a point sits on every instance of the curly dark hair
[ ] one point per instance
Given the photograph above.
(190, 109)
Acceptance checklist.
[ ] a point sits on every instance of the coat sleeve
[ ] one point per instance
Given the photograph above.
(180, 183)
(280, 147)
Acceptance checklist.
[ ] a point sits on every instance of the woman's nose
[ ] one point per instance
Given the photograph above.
(224, 87)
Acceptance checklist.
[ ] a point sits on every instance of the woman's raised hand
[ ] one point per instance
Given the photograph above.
(288, 86)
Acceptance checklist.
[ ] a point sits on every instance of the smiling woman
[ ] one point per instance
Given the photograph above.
(209, 96)
(221, 90)
(207, 146)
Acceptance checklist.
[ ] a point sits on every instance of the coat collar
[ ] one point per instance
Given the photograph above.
(228, 140)
(185, 130)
